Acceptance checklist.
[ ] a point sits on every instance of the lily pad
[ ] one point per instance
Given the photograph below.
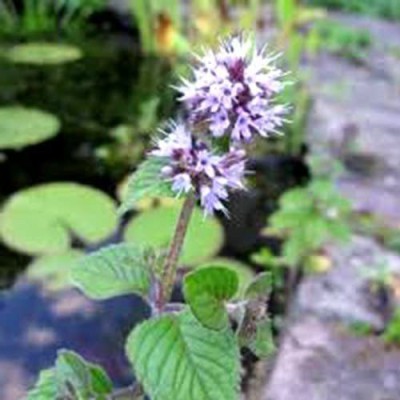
(42, 219)
(53, 270)
(155, 227)
(20, 127)
(42, 53)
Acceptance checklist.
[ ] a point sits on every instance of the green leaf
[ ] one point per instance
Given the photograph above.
(142, 12)
(262, 343)
(340, 230)
(176, 358)
(101, 383)
(40, 220)
(296, 199)
(296, 205)
(244, 272)
(206, 290)
(146, 181)
(113, 271)
(309, 218)
(322, 189)
(391, 335)
(86, 379)
(294, 249)
(21, 127)
(254, 326)
(42, 53)
(266, 259)
(72, 375)
(315, 232)
(284, 220)
(261, 286)
(46, 386)
(286, 12)
(154, 228)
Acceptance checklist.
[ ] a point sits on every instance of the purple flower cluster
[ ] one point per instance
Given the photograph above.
(193, 166)
(234, 91)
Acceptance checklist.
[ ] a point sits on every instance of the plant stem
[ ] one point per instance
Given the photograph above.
(134, 392)
(224, 10)
(171, 262)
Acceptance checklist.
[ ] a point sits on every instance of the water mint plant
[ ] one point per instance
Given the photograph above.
(186, 351)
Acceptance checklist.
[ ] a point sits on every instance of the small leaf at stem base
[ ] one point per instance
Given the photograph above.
(206, 290)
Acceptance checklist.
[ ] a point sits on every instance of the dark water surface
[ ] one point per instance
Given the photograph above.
(106, 88)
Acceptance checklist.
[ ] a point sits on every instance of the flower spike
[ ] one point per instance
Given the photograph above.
(192, 166)
(234, 91)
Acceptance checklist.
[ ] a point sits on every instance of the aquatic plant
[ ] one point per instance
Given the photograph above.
(43, 219)
(380, 8)
(308, 218)
(42, 53)
(343, 40)
(164, 27)
(21, 127)
(38, 17)
(159, 24)
(291, 17)
(185, 351)
(153, 228)
(391, 335)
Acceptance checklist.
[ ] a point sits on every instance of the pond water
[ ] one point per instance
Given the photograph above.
(91, 97)
(110, 86)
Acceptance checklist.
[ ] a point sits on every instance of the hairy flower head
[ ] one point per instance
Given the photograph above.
(234, 91)
(192, 166)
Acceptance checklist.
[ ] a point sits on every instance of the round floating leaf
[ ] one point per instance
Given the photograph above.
(244, 272)
(155, 228)
(53, 270)
(206, 290)
(20, 127)
(113, 271)
(176, 358)
(43, 53)
(40, 219)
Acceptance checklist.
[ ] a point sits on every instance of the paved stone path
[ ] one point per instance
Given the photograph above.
(320, 357)
(360, 106)
(356, 117)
